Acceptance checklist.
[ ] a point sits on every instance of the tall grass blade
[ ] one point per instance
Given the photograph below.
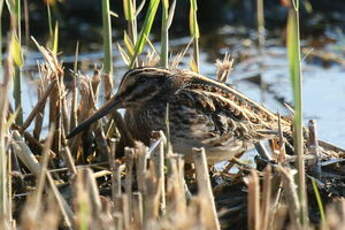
(260, 22)
(294, 55)
(167, 16)
(14, 8)
(149, 18)
(129, 44)
(107, 39)
(50, 23)
(129, 8)
(319, 201)
(16, 51)
(194, 30)
(56, 39)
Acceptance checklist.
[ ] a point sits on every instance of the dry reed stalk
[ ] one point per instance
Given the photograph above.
(204, 187)
(313, 147)
(35, 146)
(95, 82)
(39, 106)
(74, 105)
(4, 87)
(158, 157)
(291, 196)
(335, 216)
(138, 210)
(224, 67)
(91, 186)
(64, 113)
(266, 199)
(86, 108)
(82, 203)
(129, 159)
(41, 179)
(125, 211)
(254, 215)
(281, 144)
(108, 85)
(111, 162)
(151, 197)
(67, 155)
(121, 207)
(176, 199)
(260, 147)
(24, 153)
(26, 156)
(46, 217)
(39, 115)
(141, 164)
(118, 220)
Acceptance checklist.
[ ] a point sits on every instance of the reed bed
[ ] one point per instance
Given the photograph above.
(103, 179)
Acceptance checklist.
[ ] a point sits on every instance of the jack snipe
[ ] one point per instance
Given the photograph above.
(202, 112)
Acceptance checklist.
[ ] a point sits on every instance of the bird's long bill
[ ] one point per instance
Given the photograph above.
(101, 112)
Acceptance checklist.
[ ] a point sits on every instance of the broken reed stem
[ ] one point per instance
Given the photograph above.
(111, 162)
(129, 153)
(138, 210)
(141, 164)
(27, 157)
(40, 115)
(91, 186)
(291, 195)
(254, 218)
(42, 175)
(204, 185)
(266, 199)
(74, 103)
(4, 87)
(313, 146)
(39, 106)
(158, 157)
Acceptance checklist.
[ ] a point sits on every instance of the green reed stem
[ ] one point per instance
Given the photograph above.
(144, 33)
(260, 22)
(294, 54)
(107, 40)
(17, 84)
(167, 17)
(319, 201)
(130, 15)
(194, 30)
(50, 23)
(165, 34)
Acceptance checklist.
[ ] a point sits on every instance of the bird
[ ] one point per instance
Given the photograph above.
(202, 112)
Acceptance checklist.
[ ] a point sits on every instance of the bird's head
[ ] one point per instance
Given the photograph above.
(140, 85)
(137, 87)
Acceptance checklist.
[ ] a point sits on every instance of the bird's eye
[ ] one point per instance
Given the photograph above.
(142, 80)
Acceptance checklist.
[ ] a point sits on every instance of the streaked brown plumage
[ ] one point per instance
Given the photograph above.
(202, 112)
